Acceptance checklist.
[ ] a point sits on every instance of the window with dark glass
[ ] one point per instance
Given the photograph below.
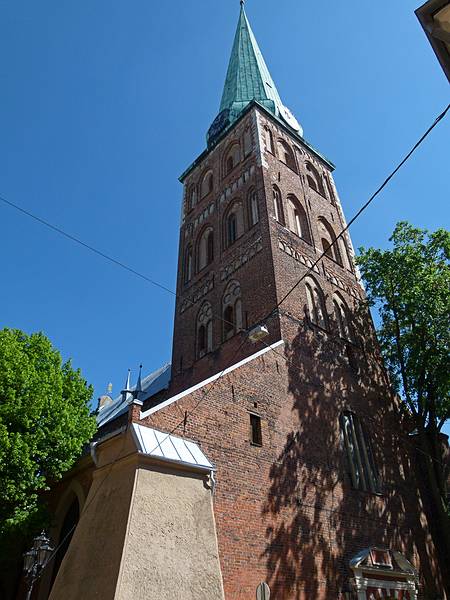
(297, 219)
(362, 470)
(232, 310)
(255, 430)
(210, 247)
(341, 314)
(329, 243)
(204, 330)
(188, 264)
(253, 212)
(314, 179)
(278, 206)
(315, 303)
(286, 155)
(205, 249)
(231, 229)
(232, 158)
(207, 184)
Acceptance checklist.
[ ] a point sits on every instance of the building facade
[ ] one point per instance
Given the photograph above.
(304, 478)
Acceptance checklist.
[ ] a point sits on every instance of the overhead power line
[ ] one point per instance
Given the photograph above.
(77, 240)
(360, 211)
(133, 271)
(366, 205)
(149, 280)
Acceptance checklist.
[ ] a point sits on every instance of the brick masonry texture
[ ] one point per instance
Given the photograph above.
(286, 512)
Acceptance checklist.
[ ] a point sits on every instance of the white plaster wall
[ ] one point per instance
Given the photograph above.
(171, 545)
(91, 565)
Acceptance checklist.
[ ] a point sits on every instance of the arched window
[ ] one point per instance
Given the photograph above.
(247, 142)
(207, 184)
(286, 155)
(252, 208)
(232, 158)
(231, 229)
(205, 248)
(65, 535)
(187, 268)
(315, 303)
(191, 198)
(343, 251)
(341, 314)
(278, 205)
(328, 241)
(360, 459)
(204, 330)
(232, 310)
(297, 219)
(233, 223)
(330, 189)
(268, 140)
(314, 179)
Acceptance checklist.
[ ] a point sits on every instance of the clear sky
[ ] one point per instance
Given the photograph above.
(103, 104)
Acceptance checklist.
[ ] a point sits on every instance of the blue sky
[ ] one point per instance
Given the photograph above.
(104, 104)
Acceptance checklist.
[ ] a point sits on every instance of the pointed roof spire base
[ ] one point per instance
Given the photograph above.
(248, 78)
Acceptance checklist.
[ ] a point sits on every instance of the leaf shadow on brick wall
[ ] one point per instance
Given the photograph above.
(316, 521)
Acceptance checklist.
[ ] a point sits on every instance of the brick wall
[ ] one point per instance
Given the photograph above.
(286, 512)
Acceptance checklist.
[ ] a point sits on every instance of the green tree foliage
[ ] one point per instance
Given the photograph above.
(44, 422)
(410, 285)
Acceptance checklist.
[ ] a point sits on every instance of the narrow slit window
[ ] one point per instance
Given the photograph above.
(255, 430)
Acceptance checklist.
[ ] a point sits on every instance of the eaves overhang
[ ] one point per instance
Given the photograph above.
(434, 16)
(270, 115)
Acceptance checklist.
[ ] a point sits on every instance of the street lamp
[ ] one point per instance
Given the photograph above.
(347, 592)
(35, 560)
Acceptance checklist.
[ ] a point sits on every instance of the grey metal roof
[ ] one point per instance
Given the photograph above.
(151, 384)
(169, 447)
(400, 562)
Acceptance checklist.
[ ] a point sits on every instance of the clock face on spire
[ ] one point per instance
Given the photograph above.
(289, 118)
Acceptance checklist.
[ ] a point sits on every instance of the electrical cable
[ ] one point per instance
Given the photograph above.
(404, 439)
(107, 257)
(188, 413)
(151, 281)
(83, 512)
(364, 207)
(204, 397)
(163, 287)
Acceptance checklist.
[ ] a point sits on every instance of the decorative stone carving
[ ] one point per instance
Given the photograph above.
(296, 255)
(338, 282)
(244, 254)
(203, 287)
(235, 185)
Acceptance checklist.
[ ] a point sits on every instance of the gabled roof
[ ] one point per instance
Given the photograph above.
(150, 385)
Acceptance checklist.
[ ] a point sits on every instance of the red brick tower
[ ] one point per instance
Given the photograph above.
(316, 492)
(259, 205)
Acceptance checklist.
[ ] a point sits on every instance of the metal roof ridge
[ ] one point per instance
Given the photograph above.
(197, 386)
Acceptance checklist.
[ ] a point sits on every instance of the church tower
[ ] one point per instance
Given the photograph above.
(259, 208)
(277, 460)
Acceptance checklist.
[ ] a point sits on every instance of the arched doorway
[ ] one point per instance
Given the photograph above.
(67, 530)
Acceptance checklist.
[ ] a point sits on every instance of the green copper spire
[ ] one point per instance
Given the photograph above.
(248, 79)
